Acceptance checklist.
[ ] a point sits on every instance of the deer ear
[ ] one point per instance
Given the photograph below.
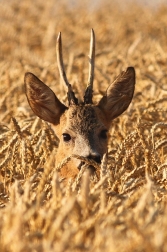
(42, 99)
(118, 95)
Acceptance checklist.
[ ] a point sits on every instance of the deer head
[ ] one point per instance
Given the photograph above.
(82, 128)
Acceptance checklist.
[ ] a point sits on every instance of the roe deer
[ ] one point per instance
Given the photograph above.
(81, 127)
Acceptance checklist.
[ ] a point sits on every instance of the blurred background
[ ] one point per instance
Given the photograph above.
(127, 33)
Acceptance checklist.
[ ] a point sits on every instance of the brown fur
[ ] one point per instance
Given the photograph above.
(84, 124)
(81, 128)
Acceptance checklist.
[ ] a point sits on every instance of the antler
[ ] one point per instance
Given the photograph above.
(89, 90)
(70, 94)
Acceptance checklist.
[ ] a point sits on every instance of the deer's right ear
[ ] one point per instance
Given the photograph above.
(42, 99)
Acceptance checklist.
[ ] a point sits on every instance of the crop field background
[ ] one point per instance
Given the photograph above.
(125, 208)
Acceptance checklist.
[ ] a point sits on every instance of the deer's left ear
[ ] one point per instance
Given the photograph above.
(118, 95)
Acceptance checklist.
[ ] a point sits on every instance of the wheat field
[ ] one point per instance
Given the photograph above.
(125, 208)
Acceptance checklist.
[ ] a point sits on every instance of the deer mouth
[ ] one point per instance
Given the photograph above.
(91, 168)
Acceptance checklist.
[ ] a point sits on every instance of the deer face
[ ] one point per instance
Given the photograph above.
(82, 131)
(81, 128)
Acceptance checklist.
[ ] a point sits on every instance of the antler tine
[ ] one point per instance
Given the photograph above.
(89, 89)
(60, 60)
(91, 59)
(71, 96)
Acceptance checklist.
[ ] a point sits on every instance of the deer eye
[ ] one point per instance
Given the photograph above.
(66, 137)
(103, 134)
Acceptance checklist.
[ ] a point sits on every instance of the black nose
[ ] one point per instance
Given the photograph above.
(96, 158)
